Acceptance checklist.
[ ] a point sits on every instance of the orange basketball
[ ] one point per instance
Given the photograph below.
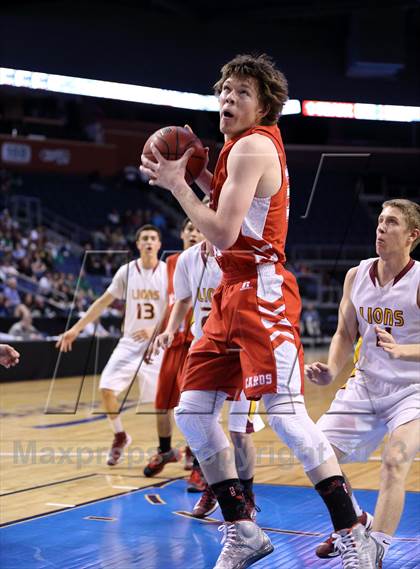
(172, 142)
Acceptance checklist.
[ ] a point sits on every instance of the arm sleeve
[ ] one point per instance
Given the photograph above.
(182, 286)
(118, 286)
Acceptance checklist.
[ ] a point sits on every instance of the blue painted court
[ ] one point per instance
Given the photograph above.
(142, 530)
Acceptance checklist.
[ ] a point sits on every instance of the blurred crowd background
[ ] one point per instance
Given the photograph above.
(71, 194)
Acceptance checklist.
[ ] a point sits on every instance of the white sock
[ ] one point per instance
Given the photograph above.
(382, 538)
(116, 424)
(356, 506)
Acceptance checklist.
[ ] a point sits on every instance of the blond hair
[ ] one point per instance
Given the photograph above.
(411, 213)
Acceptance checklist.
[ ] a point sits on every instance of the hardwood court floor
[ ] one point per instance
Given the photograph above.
(52, 461)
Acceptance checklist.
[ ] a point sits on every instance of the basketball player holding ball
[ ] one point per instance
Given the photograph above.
(255, 312)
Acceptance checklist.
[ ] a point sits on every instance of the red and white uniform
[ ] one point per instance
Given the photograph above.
(383, 393)
(197, 275)
(145, 294)
(254, 321)
(169, 382)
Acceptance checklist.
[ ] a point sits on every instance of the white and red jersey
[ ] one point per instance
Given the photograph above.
(197, 275)
(264, 229)
(145, 292)
(393, 307)
(184, 334)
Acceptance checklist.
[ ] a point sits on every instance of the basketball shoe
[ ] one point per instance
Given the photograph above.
(196, 481)
(357, 549)
(326, 549)
(244, 543)
(206, 505)
(158, 461)
(116, 452)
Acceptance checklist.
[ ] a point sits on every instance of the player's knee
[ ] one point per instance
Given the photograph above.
(197, 418)
(107, 394)
(394, 468)
(302, 436)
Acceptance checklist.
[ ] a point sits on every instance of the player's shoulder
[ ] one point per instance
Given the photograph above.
(126, 267)
(252, 142)
(189, 257)
(364, 264)
(192, 252)
(161, 267)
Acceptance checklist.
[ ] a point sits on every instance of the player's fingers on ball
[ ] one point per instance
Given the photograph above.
(148, 173)
(156, 154)
(147, 163)
(187, 154)
(187, 126)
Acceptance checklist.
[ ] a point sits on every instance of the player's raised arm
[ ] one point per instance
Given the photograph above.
(246, 164)
(65, 341)
(343, 339)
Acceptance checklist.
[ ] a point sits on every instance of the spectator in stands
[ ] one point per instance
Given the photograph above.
(20, 247)
(93, 116)
(118, 241)
(11, 293)
(6, 221)
(114, 217)
(28, 301)
(24, 267)
(39, 268)
(94, 328)
(24, 329)
(40, 309)
(45, 284)
(311, 321)
(7, 267)
(5, 310)
(99, 238)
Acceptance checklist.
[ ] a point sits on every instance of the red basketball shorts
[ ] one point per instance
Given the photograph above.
(253, 327)
(170, 376)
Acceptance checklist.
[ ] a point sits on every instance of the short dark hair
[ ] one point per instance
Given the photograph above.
(273, 88)
(186, 221)
(148, 227)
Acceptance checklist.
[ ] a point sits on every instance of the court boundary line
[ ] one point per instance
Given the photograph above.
(49, 484)
(119, 494)
(167, 483)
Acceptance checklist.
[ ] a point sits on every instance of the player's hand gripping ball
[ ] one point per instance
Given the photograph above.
(172, 142)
